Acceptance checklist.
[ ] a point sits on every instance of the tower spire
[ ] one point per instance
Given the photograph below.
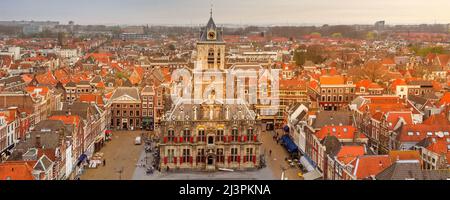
(211, 9)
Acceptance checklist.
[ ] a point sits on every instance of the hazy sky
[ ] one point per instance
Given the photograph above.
(228, 11)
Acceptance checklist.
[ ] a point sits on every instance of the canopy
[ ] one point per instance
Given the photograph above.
(286, 128)
(313, 175)
(307, 163)
(81, 159)
(289, 144)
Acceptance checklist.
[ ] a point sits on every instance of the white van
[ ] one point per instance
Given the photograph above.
(138, 140)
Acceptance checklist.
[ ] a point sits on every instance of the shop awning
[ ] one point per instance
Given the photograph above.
(307, 163)
(313, 175)
(82, 158)
(289, 144)
(286, 128)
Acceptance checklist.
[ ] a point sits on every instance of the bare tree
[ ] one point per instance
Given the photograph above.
(375, 71)
(372, 70)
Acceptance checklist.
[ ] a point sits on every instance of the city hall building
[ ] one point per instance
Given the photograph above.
(209, 134)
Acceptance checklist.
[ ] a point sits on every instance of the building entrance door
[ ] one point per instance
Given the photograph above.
(210, 160)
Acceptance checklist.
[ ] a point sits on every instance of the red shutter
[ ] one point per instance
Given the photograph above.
(175, 139)
(239, 158)
(191, 159)
(245, 158)
(229, 138)
(198, 138)
(239, 138)
(165, 139)
(254, 138)
(254, 159)
(181, 160)
(192, 139)
(224, 138)
(175, 160)
(181, 139)
(229, 159)
(245, 138)
(165, 160)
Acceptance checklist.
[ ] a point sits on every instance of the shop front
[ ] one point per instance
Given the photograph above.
(148, 123)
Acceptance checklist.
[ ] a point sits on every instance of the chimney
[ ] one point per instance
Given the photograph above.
(38, 141)
(355, 136)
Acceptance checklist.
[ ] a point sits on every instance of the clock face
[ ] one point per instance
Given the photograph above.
(211, 35)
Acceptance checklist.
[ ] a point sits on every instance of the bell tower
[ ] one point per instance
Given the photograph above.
(211, 46)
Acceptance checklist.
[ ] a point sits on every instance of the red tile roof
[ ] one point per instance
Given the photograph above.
(404, 155)
(367, 166)
(46, 78)
(418, 132)
(349, 153)
(341, 132)
(332, 80)
(392, 118)
(16, 170)
(91, 98)
(445, 100)
(396, 83)
(67, 119)
(438, 119)
(41, 90)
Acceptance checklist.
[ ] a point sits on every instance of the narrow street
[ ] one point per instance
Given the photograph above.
(276, 162)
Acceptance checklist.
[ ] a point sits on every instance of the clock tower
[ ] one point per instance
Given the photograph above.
(211, 47)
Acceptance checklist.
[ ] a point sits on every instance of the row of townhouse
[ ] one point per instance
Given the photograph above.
(22, 111)
(73, 141)
(380, 118)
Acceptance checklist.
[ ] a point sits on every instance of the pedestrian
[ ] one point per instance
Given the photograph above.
(168, 168)
(270, 152)
(104, 162)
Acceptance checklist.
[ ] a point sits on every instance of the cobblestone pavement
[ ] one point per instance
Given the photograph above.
(276, 161)
(121, 155)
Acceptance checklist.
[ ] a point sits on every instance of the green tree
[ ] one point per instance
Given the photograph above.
(371, 35)
(121, 75)
(317, 34)
(427, 50)
(336, 35)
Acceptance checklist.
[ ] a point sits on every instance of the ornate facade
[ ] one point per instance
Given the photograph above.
(210, 136)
